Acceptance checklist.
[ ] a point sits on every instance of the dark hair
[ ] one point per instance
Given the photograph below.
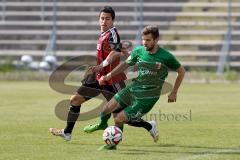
(151, 30)
(108, 9)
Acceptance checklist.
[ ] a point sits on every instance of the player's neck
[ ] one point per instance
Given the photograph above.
(155, 49)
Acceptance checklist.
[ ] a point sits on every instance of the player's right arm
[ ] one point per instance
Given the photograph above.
(122, 52)
(119, 69)
(131, 60)
(172, 97)
(112, 57)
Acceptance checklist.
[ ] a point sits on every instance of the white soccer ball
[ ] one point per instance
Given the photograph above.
(112, 135)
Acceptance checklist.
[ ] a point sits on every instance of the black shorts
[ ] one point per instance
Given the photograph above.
(90, 88)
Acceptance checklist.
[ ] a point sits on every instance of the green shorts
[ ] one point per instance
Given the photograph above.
(135, 102)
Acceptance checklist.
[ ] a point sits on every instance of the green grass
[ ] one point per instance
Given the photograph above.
(27, 111)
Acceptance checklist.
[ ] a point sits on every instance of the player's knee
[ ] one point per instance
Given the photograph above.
(114, 115)
(108, 108)
(117, 120)
(120, 118)
(77, 100)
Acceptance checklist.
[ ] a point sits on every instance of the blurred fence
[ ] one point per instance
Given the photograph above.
(202, 34)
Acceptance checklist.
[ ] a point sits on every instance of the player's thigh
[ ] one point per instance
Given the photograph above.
(121, 118)
(109, 91)
(112, 106)
(77, 100)
(139, 108)
(124, 97)
(88, 91)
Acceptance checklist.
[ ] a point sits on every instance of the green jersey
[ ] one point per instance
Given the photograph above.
(139, 97)
(150, 78)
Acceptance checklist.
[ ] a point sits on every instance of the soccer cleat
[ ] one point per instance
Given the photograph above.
(60, 132)
(94, 127)
(107, 147)
(154, 132)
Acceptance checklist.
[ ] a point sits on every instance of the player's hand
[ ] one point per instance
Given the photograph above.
(97, 68)
(102, 81)
(172, 97)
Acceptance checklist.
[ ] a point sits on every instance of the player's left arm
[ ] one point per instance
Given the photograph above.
(172, 97)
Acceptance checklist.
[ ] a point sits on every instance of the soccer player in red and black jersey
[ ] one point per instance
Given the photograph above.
(107, 59)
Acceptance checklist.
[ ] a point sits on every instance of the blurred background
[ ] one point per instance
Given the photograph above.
(39, 35)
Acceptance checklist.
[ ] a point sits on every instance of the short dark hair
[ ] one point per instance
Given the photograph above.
(108, 9)
(151, 30)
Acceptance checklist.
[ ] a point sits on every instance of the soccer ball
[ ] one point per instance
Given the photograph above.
(112, 135)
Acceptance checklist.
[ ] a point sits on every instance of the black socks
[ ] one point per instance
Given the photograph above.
(73, 114)
(140, 123)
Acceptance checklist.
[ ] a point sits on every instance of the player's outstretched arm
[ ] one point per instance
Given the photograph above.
(112, 57)
(172, 97)
(119, 69)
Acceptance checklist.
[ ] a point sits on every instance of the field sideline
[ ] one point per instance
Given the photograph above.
(210, 129)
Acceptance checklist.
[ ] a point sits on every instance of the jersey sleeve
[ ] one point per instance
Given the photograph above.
(172, 62)
(132, 59)
(114, 42)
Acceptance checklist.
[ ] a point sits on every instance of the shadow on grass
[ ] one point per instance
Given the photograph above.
(128, 149)
(188, 146)
(161, 148)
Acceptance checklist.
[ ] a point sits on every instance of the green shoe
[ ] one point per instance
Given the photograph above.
(93, 127)
(107, 147)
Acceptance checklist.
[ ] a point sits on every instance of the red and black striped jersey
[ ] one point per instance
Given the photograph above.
(107, 42)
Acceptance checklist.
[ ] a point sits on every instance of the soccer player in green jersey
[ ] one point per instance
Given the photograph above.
(139, 97)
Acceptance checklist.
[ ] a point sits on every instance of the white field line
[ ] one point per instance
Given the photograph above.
(209, 154)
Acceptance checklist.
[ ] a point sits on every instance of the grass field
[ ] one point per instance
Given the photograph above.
(210, 129)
